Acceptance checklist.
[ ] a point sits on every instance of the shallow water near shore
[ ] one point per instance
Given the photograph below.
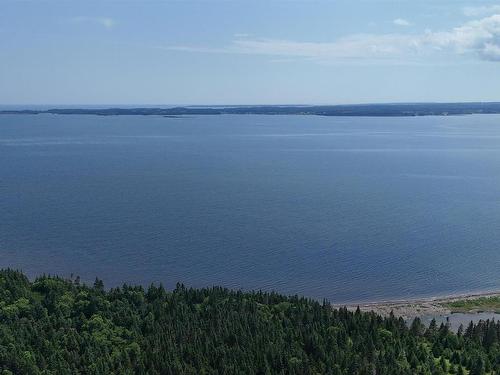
(348, 209)
(457, 319)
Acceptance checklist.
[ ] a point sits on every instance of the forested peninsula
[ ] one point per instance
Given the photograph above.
(53, 325)
(397, 109)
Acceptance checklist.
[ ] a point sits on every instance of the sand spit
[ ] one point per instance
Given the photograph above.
(409, 309)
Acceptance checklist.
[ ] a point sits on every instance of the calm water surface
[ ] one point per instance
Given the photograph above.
(349, 209)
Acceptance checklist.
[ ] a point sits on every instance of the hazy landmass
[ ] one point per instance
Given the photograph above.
(407, 109)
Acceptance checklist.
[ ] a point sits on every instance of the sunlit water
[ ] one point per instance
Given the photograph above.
(349, 209)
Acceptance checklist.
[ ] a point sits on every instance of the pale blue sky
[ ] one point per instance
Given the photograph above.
(248, 52)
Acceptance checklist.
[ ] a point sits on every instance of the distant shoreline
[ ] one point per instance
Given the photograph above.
(357, 110)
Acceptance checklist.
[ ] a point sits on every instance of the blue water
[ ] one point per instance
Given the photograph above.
(349, 209)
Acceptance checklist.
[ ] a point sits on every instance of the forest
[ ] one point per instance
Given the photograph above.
(52, 325)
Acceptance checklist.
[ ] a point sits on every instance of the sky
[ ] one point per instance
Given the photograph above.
(248, 52)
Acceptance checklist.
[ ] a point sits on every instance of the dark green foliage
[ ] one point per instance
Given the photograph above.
(56, 326)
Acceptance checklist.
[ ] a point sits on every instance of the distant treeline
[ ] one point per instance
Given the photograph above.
(410, 109)
(58, 326)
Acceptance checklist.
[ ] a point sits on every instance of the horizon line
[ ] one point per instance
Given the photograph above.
(117, 105)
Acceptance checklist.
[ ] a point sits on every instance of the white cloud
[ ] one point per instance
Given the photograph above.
(480, 11)
(401, 22)
(106, 22)
(480, 38)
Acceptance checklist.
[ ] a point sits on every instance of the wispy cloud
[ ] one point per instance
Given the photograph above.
(401, 22)
(351, 47)
(479, 38)
(105, 22)
(362, 46)
(481, 11)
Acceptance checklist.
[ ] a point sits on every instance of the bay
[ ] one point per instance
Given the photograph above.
(343, 208)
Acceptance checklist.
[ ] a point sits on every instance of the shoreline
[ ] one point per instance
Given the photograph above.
(356, 110)
(426, 306)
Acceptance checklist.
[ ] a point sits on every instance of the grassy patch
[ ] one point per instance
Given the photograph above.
(478, 304)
